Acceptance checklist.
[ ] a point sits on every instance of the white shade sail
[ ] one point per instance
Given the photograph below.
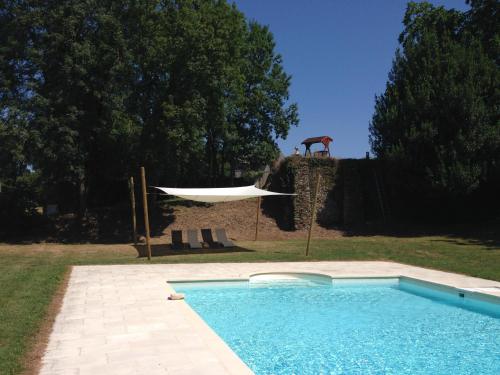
(212, 195)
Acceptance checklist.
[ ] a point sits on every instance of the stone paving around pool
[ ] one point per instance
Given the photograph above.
(117, 319)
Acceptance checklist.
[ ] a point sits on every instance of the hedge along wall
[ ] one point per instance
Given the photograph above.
(328, 203)
(347, 193)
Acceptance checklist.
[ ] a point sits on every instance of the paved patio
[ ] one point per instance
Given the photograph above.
(118, 320)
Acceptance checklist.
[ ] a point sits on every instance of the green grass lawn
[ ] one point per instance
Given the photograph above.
(31, 274)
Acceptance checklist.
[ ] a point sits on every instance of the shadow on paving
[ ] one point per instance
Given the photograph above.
(166, 250)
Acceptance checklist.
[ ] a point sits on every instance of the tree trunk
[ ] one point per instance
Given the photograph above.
(231, 163)
(212, 157)
(82, 194)
(215, 172)
(153, 180)
(222, 165)
(210, 160)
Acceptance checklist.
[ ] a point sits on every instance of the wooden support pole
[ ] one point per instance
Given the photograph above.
(257, 219)
(145, 205)
(132, 205)
(313, 213)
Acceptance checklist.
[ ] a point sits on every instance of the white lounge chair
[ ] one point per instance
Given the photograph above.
(194, 242)
(222, 238)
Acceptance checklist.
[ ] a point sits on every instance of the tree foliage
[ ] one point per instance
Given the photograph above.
(90, 90)
(439, 117)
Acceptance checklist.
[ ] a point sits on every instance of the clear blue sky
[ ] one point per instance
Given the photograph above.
(339, 53)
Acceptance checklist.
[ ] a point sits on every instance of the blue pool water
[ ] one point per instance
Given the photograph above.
(359, 328)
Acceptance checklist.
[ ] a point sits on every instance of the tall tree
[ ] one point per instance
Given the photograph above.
(261, 114)
(223, 99)
(17, 138)
(82, 84)
(188, 88)
(439, 115)
(484, 21)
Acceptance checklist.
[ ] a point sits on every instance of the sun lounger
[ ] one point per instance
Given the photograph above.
(222, 237)
(206, 234)
(193, 241)
(177, 240)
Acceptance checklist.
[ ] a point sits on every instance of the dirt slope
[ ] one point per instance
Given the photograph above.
(238, 218)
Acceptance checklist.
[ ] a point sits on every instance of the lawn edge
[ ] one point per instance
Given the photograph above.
(32, 360)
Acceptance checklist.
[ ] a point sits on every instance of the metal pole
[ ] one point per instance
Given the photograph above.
(132, 204)
(313, 213)
(145, 205)
(257, 219)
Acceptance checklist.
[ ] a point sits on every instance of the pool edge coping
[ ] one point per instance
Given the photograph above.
(475, 294)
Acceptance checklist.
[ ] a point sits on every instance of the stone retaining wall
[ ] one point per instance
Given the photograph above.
(341, 196)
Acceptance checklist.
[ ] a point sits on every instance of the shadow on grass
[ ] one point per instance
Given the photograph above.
(489, 244)
(468, 234)
(166, 250)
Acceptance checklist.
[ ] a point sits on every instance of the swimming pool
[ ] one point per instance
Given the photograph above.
(370, 326)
